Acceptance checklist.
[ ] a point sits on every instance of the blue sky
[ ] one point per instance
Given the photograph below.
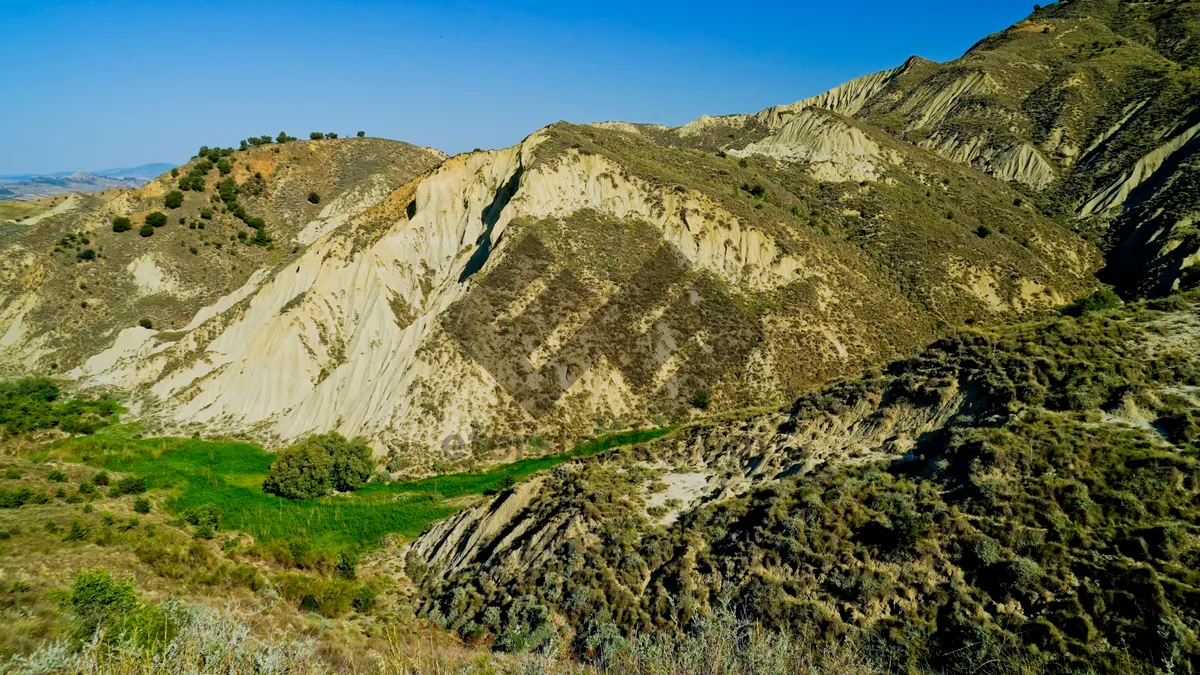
(93, 85)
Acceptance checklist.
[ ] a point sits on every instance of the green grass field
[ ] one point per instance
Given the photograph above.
(230, 475)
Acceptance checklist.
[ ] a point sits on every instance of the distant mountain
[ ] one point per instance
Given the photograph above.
(37, 187)
(49, 186)
(145, 171)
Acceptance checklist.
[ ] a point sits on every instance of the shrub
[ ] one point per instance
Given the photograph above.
(86, 254)
(156, 219)
(206, 214)
(12, 473)
(364, 599)
(146, 231)
(141, 505)
(316, 135)
(347, 565)
(983, 231)
(318, 465)
(701, 399)
(361, 134)
(173, 200)
(129, 485)
(206, 515)
(57, 476)
(227, 189)
(77, 532)
(146, 323)
(121, 224)
(314, 198)
(100, 478)
(224, 166)
(1097, 303)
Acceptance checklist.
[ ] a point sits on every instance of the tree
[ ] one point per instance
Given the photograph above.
(316, 135)
(146, 231)
(173, 200)
(333, 136)
(314, 198)
(352, 462)
(319, 465)
(224, 166)
(361, 134)
(301, 471)
(1097, 303)
(156, 219)
(227, 188)
(121, 224)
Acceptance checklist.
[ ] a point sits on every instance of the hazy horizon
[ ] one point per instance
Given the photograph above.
(125, 84)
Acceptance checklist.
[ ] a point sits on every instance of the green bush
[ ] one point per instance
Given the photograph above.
(103, 608)
(141, 505)
(156, 219)
(983, 231)
(146, 323)
(86, 254)
(1099, 302)
(129, 485)
(57, 476)
(173, 200)
(364, 599)
(316, 135)
(205, 515)
(77, 532)
(146, 231)
(319, 465)
(121, 224)
(347, 565)
(227, 189)
(361, 134)
(224, 166)
(314, 198)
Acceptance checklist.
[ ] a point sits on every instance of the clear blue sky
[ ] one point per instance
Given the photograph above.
(93, 85)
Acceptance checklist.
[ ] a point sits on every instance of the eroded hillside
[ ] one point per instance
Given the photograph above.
(1033, 487)
(69, 283)
(1091, 107)
(589, 277)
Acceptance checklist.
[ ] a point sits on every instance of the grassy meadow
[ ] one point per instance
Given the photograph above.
(230, 475)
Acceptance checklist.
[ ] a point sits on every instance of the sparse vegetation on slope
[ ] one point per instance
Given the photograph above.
(1043, 527)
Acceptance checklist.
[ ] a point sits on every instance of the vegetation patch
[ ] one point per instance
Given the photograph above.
(231, 475)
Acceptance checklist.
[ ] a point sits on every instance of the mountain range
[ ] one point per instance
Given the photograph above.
(922, 349)
(39, 186)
